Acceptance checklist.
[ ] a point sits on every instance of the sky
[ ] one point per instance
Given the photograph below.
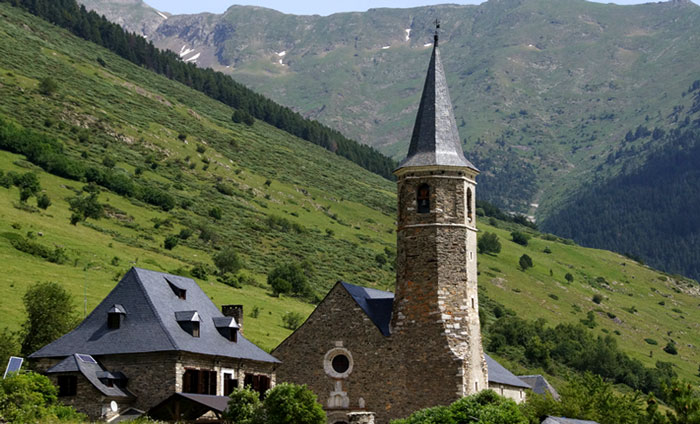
(311, 7)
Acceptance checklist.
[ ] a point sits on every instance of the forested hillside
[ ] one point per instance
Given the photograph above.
(650, 211)
(135, 48)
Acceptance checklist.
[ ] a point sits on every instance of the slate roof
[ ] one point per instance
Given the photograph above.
(562, 420)
(377, 304)
(539, 385)
(150, 323)
(435, 139)
(499, 374)
(92, 372)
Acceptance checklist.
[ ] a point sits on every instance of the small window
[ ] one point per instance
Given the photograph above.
(202, 382)
(178, 291)
(195, 328)
(67, 385)
(230, 383)
(114, 320)
(423, 199)
(476, 386)
(470, 213)
(473, 303)
(259, 383)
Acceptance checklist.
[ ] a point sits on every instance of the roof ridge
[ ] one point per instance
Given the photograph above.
(153, 308)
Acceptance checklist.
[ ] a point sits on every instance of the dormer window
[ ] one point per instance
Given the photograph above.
(114, 316)
(189, 321)
(227, 327)
(177, 290)
(423, 199)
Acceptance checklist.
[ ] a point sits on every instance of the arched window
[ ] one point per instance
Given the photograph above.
(470, 212)
(423, 198)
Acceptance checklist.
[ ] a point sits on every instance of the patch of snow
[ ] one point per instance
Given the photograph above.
(535, 205)
(193, 58)
(385, 47)
(427, 44)
(184, 51)
(280, 62)
(162, 15)
(530, 45)
(408, 33)
(282, 53)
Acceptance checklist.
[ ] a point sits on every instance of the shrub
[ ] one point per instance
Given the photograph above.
(171, 241)
(670, 348)
(597, 298)
(547, 250)
(157, 197)
(568, 277)
(293, 404)
(255, 312)
(86, 207)
(43, 201)
(292, 320)
(56, 255)
(216, 212)
(288, 278)
(28, 397)
(489, 243)
(525, 262)
(244, 407)
(520, 238)
(109, 162)
(651, 342)
(553, 296)
(47, 86)
(380, 258)
(182, 136)
(589, 321)
(199, 271)
(228, 261)
(185, 233)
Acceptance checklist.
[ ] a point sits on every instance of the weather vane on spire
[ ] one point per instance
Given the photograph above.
(437, 27)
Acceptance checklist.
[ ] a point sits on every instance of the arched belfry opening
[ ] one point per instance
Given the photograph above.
(423, 198)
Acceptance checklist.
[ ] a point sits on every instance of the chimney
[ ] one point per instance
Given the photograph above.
(236, 312)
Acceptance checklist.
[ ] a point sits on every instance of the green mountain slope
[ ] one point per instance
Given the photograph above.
(542, 89)
(281, 199)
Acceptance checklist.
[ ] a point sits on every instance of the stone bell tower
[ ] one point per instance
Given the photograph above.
(436, 309)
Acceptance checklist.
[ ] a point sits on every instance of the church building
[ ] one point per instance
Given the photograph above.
(369, 351)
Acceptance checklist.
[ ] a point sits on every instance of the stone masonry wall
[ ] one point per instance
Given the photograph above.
(377, 380)
(151, 376)
(436, 272)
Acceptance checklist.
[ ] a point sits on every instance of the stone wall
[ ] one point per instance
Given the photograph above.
(511, 392)
(376, 381)
(88, 400)
(436, 283)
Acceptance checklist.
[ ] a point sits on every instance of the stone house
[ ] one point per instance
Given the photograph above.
(153, 336)
(391, 354)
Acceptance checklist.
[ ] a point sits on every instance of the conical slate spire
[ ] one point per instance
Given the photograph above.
(435, 139)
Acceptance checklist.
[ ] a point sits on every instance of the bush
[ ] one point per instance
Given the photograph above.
(185, 233)
(171, 241)
(293, 404)
(86, 207)
(56, 255)
(109, 162)
(288, 278)
(489, 243)
(228, 261)
(47, 86)
(651, 342)
(525, 262)
(292, 320)
(547, 250)
(380, 258)
(28, 397)
(43, 201)
(244, 407)
(157, 197)
(568, 277)
(199, 271)
(597, 298)
(216, 212)
(520, 238)
(670, 348)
